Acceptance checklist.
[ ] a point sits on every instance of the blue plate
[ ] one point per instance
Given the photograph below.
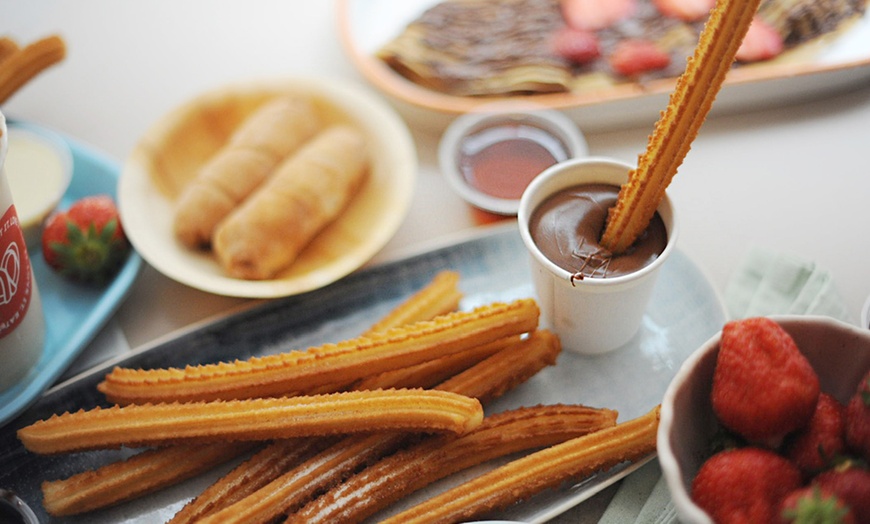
(74, 313)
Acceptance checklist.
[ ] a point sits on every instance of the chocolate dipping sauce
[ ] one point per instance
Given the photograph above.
(568, 225)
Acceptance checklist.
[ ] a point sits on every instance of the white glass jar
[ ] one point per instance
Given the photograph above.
(22, 325)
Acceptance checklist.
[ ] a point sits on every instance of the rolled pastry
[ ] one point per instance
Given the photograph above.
(309, 190)
(272, 132)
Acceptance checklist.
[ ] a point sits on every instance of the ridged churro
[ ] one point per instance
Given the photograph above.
(254, 419)
(290, 490)
(139, 475)
(533, 473)
(24, 64)
(399, 475)
(344, 362)
(439, 297)
(680, 122)
(264, 466)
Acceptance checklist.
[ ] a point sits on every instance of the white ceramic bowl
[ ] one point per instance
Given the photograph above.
(839, 352)
(39, 167)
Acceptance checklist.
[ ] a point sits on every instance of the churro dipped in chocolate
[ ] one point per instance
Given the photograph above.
(341, 363)
(520, 479)
(414, 410)
(487, 380)
(275, 130)
(679, 124)
(21, 65)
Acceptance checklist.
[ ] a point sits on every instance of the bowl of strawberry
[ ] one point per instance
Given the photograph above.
(769, 421)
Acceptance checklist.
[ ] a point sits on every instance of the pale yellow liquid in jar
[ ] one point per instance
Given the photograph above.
(35, 173)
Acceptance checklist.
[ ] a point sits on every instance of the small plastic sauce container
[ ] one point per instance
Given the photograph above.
(490, 157)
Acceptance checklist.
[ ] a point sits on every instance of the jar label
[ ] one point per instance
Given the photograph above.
(16, 284)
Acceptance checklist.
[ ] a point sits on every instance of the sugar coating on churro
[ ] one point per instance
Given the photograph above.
(136, 476)
(344, 362)
(410, 470)
(413, 410)
(571, 460)
(679, 123)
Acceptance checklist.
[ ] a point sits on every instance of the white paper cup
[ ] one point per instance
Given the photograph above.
(592, 315)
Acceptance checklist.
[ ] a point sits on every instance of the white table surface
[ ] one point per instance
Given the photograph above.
(792, 178)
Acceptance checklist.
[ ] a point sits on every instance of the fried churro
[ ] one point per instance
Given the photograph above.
(439, 297)
(410, 410)
(289, 491)
(409, 470)
(150, 469)
(680, 122)
(8, 47)
(519, 479)
(251, 475)
(23, 64)
(344, 362)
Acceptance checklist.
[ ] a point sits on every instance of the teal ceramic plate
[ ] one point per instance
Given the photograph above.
(74, 313)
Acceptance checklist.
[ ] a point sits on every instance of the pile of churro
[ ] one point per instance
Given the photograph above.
(340, 432)
(19, 65)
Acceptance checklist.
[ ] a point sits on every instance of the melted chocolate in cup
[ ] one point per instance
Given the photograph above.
(593, 301)
(568, 225)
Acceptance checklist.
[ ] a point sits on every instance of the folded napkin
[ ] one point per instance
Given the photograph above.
(764, 283)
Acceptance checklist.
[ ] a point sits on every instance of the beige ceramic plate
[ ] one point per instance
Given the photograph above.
(837, 61)
(170, 152)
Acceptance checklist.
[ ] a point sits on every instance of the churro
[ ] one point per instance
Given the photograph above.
(409, 470)
(680, 122)
(24, 64)
(344, 362)
(248, 477)
(519, 479)
(289, 491)
(8, 47)
(410, 410)
(139, 475)
(439, 297)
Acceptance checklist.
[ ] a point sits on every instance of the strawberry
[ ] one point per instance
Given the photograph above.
(744, 485)
(685, 10)
(814, 447)
(86, 242)
(576, 46)
(763, 387)
(762, 42)
(858, 419)
(592, 15)
(852, 485)
(635, 56)
(812, 504)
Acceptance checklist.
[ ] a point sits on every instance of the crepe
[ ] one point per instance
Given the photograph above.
(307, 191)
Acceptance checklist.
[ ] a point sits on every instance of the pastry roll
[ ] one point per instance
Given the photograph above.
(308, 190)
(272, 132)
